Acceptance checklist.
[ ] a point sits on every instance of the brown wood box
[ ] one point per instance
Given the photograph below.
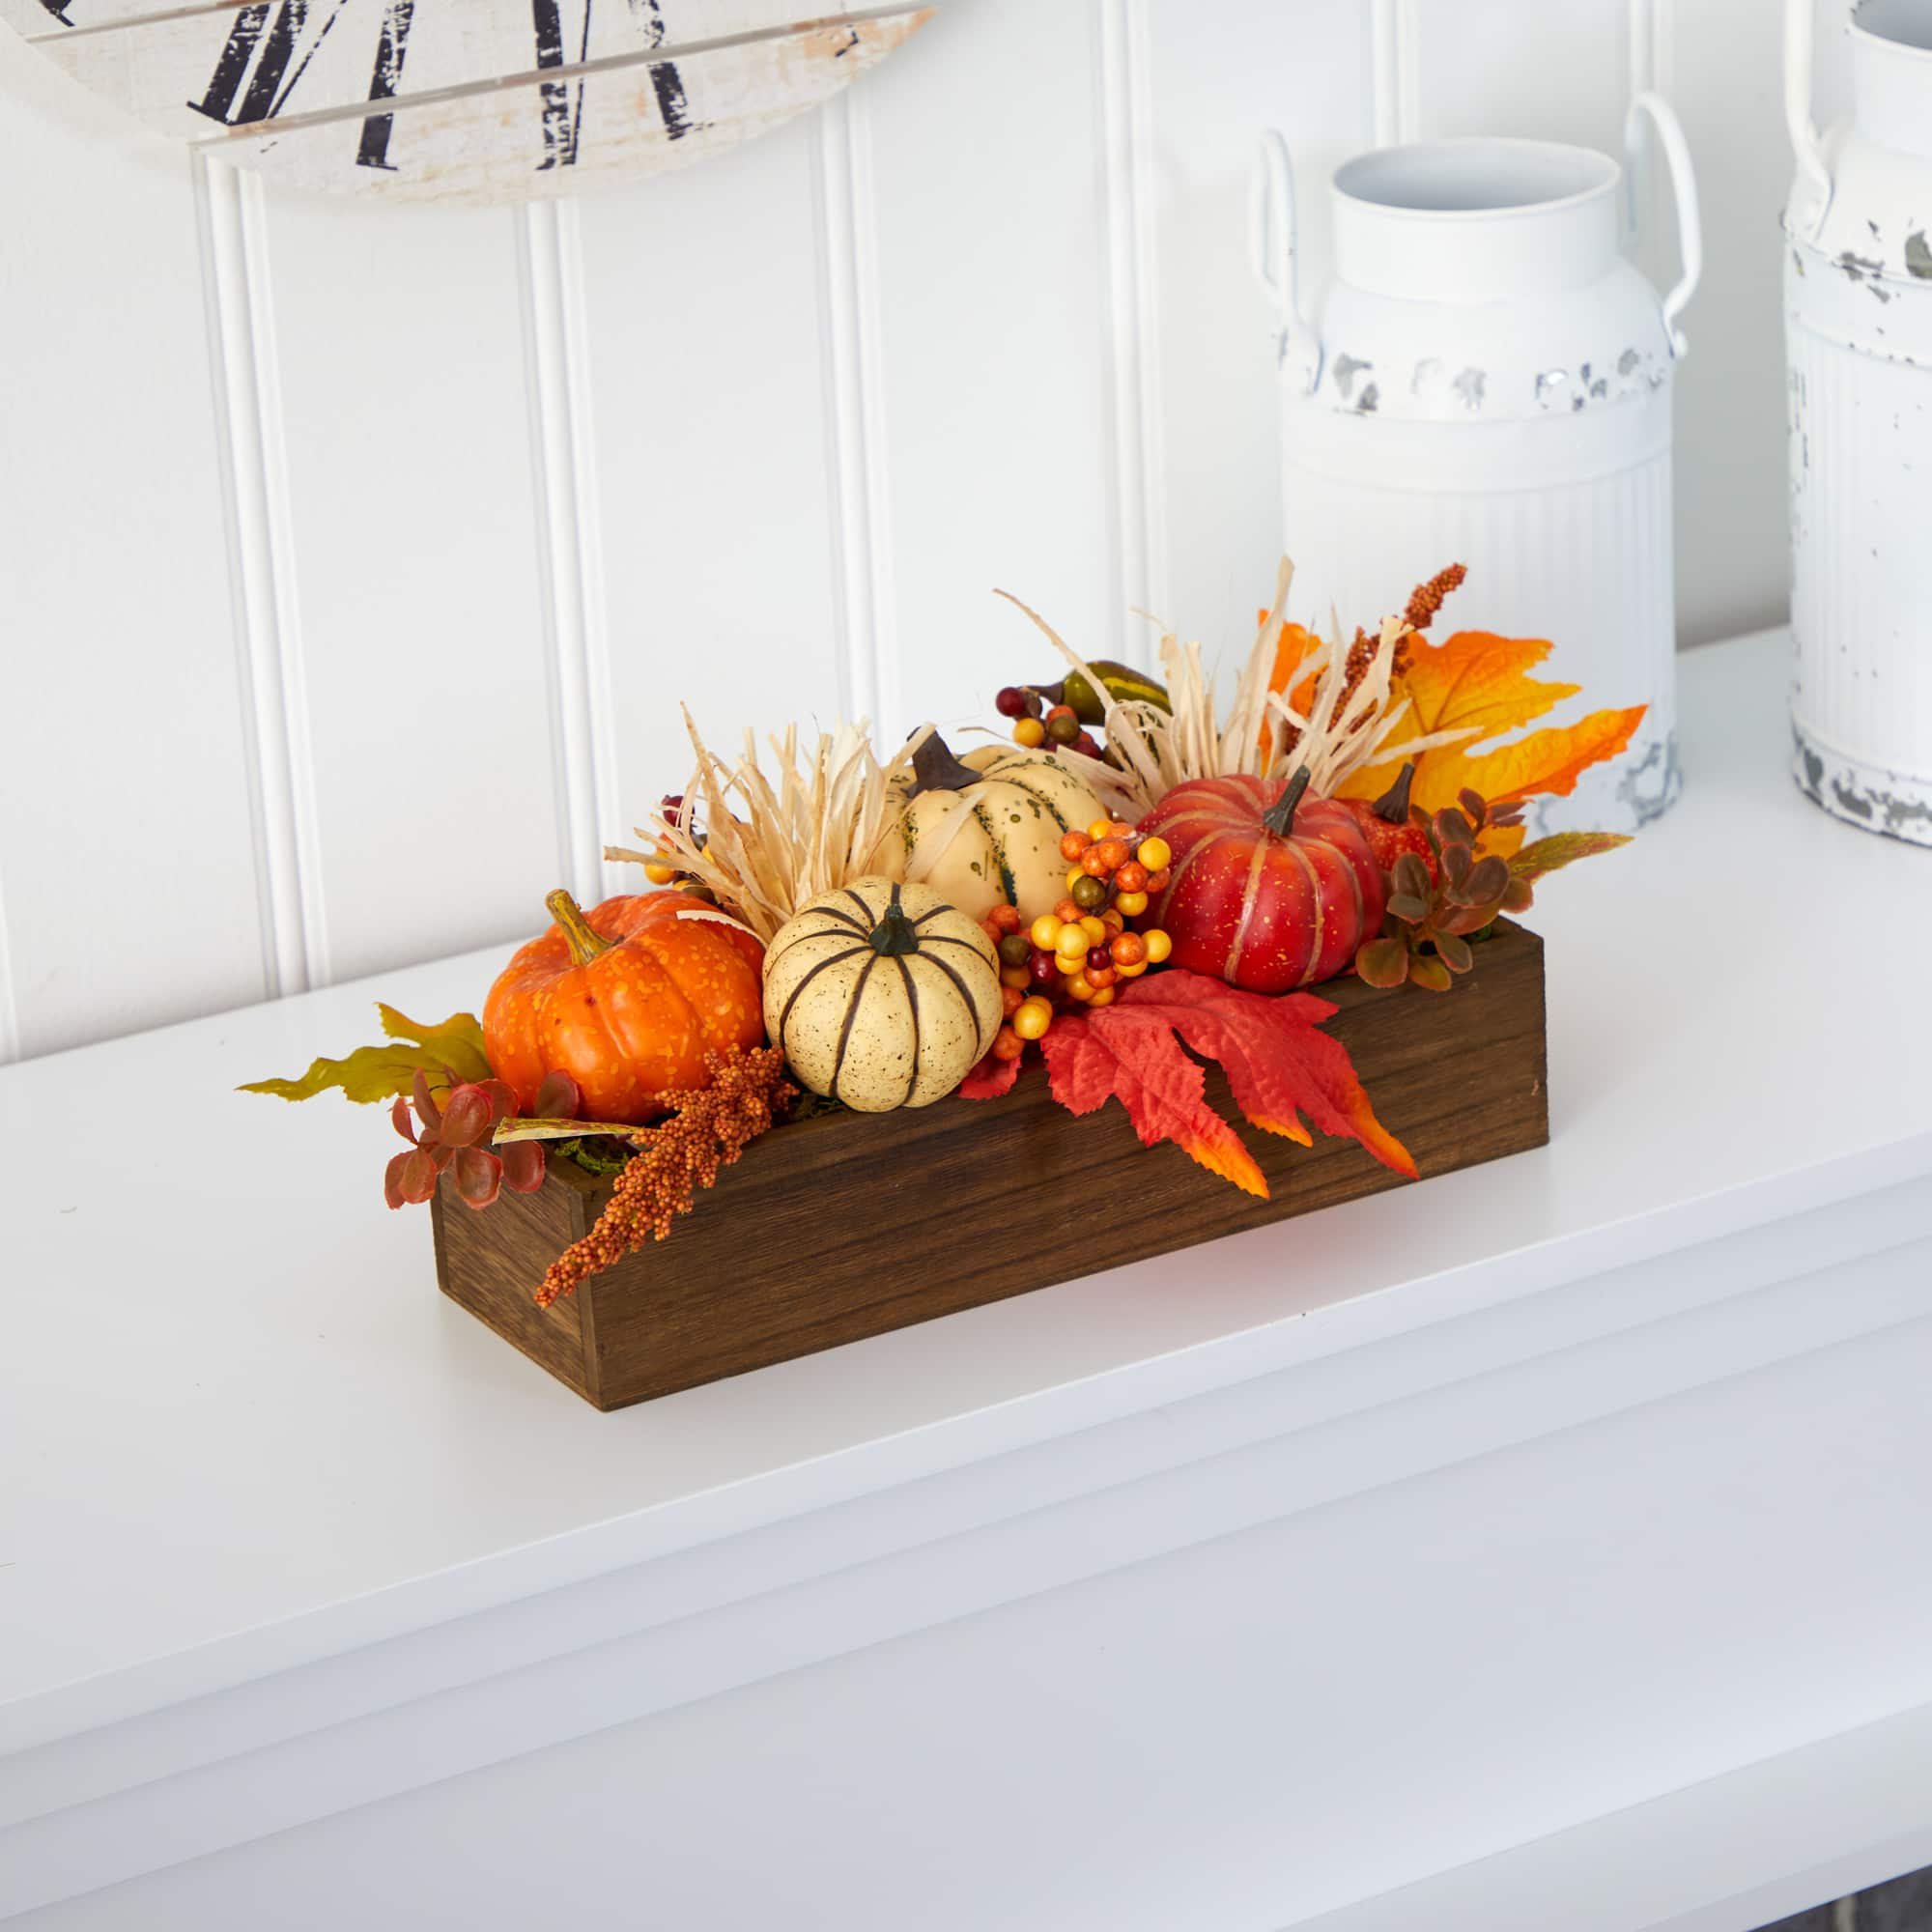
(848, 1225)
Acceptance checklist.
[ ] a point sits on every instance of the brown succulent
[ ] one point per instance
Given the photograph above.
(1425, 935)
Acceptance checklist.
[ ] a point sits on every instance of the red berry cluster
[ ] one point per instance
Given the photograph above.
(1038, 723)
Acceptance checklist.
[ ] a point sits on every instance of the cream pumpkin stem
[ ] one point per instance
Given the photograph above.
(1279, 818)
(934, 768)
(894, 934)
(584, 945)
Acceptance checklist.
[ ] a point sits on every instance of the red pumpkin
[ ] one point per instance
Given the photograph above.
(627, 1000)
(1389, 829)
(1270, 890)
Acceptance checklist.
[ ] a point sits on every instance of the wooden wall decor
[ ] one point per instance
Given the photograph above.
(461, 99)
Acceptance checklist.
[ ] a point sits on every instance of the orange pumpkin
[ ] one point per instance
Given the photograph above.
(627, 1000)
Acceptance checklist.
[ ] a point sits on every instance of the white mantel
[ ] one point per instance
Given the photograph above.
(1547, 1546)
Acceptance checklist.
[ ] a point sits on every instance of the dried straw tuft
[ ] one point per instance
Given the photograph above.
(1351, 718)
(772, 844)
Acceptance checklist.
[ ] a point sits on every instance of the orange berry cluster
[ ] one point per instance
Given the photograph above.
(709, 1127)
(1083, 950)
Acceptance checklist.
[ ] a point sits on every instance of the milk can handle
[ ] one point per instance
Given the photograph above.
(1813, 171)
(1684, 185)
(1271, 251)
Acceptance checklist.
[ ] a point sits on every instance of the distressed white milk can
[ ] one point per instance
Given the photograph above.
(1487, 380)
(1857, 307)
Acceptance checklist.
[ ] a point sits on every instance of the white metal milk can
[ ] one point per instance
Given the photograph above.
(1488, 380)
(1857, 309)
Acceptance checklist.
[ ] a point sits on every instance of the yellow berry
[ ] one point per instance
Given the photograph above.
(1158, 945)
(1078, 872)
(1032, 1019)
(1030, 732)
(1105, 997)
(1014, 975)
(1131, 903)
(1155, 852)
(1070, 963)
(660, 875)
(1077, 988)
(1046, 932)
(1100, 828)
(1096, 929)
(1132, 972)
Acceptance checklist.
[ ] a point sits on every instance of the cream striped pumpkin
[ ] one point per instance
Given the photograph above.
(881, 995)
(985, 829)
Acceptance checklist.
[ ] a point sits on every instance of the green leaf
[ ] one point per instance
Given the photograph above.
(1382, 963)
(1560, 849)
(1454, 951)
(1415, 911)
(381, 1072)
(1410, 877)
(1428, 973)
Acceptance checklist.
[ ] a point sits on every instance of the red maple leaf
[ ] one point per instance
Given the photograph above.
(1280, 1066)
(992, 1077)
(1135, 1060)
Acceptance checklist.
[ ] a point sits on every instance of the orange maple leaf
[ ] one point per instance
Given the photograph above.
(1293, 649)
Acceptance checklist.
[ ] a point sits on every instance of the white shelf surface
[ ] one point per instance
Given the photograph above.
(250, 1453)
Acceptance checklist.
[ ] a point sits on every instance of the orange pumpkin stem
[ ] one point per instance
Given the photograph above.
(584, 945)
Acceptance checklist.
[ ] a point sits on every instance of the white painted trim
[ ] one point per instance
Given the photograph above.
(1653, 41)
(10, 1012)
(1653, 65)
(260, 549)
(1140, 465)
(90, 1805)
(1395, 60)
(570, 543)
(856, 386)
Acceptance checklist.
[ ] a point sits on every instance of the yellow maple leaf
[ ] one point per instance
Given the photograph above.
(1480, 683)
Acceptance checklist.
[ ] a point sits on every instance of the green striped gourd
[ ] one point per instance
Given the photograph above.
(881, 995)
(987, 828)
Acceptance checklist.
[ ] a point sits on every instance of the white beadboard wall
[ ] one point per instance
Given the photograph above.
(355, 560)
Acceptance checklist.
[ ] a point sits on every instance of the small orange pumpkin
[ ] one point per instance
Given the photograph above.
(627, 1000)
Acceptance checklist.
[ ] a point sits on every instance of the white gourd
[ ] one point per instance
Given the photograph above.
(882, 994)
(985, 829)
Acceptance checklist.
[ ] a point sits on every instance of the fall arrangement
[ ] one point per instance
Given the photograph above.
(864, 950)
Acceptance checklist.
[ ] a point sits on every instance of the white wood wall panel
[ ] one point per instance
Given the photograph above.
(418, 575)
(988, 146)
(1733, 518)
(1500, 67)
(129, 890)
(1220, 75)
(702, 310)
(359, 556)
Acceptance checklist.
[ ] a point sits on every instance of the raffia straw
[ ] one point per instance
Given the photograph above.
(769, 848)
(1264, 735)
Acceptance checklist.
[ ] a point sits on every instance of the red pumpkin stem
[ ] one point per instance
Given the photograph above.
(584, 944)
(1279, 818)
(1392, 807)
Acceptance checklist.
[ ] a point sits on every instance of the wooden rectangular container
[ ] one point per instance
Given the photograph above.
(847, 1225)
